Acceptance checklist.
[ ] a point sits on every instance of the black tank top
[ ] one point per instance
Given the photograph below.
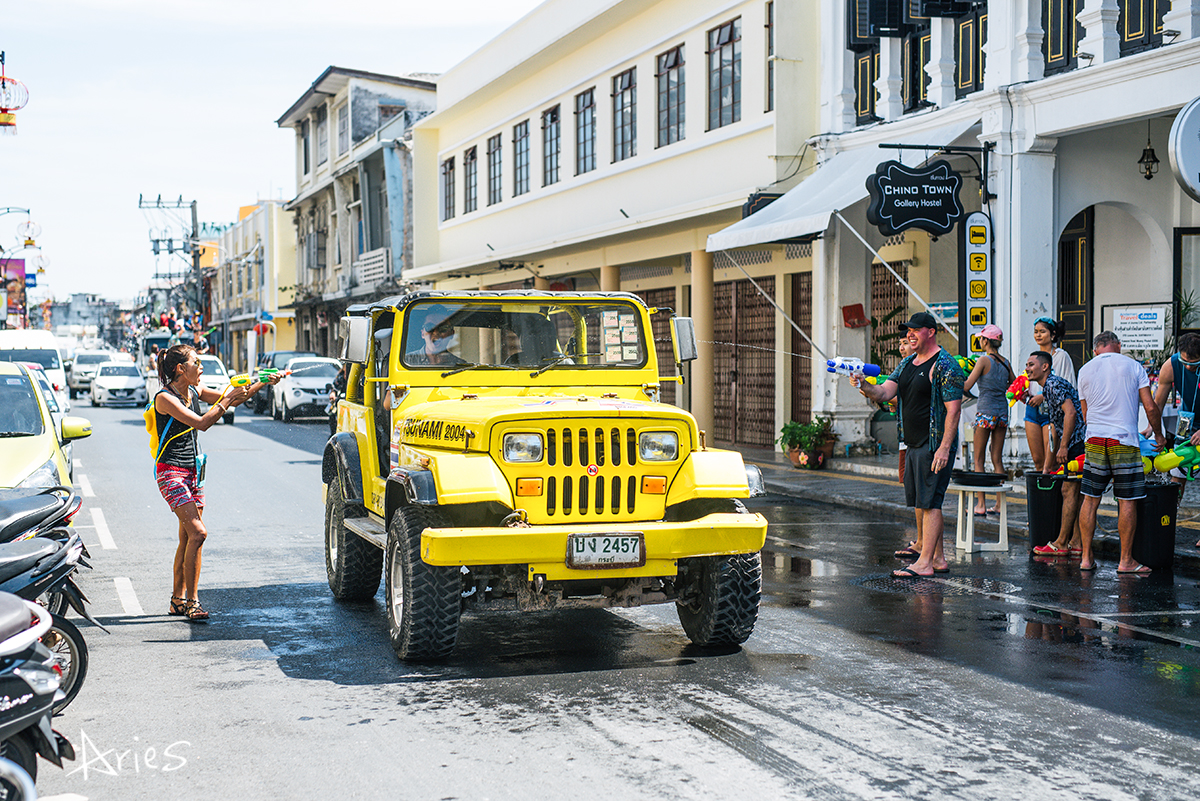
(181, 450)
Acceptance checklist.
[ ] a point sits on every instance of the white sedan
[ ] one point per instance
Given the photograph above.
(215, 376)
(118, 382)
(305, 391)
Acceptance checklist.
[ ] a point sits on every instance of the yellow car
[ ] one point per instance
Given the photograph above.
(31, 453)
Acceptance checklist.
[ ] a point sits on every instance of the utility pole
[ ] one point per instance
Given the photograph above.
(196, 265)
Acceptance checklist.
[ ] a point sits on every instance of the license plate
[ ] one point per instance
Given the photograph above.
(600, 551)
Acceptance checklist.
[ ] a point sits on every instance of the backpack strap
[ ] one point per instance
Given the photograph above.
(163, 440)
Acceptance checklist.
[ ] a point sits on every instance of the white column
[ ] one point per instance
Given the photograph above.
(890, 83)
(1101, 40)
(703, 368)
(941, 63)
(1184, 17)
(837, 79)
(1029, 64)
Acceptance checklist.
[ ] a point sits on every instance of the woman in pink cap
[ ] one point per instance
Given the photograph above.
(993, 375)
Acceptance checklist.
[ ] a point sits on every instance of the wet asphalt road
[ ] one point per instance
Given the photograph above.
(1007, 678)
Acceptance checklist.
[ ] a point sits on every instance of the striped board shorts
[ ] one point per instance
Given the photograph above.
(1108, 460)
(178, 486)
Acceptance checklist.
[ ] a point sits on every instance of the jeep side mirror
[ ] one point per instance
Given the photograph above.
(683, 339)
(355, 336)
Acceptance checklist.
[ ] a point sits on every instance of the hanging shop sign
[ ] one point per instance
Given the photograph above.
(1183, 149)
(906, 197)
(976, 280)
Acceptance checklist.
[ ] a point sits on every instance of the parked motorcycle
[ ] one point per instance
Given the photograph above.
(42, 566)
(29, 687)
(37, 512)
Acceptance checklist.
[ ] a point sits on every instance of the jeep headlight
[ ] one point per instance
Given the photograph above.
(658, 446)
(44, 476)
(522, 447)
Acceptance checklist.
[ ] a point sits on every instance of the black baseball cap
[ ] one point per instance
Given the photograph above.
(921, 320)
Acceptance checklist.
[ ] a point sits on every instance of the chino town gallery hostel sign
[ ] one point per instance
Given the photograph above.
(905, 197)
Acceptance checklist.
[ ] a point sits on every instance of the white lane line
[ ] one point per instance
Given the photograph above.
(78, 462)
(102, 532)
(129, 599)
(85, 486)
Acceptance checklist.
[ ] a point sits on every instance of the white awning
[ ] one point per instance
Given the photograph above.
(837, 184)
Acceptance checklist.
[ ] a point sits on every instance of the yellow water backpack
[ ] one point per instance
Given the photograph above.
(159, 440)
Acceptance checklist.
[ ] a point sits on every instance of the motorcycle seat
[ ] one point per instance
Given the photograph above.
(14, 616)
(17, 557)
(21, 514)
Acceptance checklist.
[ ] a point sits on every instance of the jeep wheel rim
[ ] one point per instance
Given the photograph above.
(331, 539)
(396, 589)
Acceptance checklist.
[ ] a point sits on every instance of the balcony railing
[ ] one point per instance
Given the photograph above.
(372, 267)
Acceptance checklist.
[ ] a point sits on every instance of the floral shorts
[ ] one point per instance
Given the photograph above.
(178, 486)
(991, 421)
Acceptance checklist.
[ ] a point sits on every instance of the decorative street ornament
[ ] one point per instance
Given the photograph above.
(904, 197)
(1183, 149)
(13, 97)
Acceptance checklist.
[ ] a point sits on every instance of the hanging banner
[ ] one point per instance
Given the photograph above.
(976, 284)
(1183, 149)
(904, 197)
(12, 272)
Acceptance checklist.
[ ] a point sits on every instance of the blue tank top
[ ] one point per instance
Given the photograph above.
(1185, 383)
(993, 385)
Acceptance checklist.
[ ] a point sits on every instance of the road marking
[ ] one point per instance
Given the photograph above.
(102, 532)
(85, 486)
(78, 462)
(129, 599)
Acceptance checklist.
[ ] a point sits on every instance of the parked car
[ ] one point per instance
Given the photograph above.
(118, 382)
(24, 345)
(31, 453)
(275, 359)
(83, 369)
(57, 412)
(305, 391)
(214, 376)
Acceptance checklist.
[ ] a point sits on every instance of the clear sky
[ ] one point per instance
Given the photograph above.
(180, 97)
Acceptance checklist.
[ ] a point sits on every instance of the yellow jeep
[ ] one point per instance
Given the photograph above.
(508, 449)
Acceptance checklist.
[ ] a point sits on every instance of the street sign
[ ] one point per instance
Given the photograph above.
(904, 197)
(975, 249)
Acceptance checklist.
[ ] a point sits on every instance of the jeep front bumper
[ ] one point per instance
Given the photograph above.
(544, 548)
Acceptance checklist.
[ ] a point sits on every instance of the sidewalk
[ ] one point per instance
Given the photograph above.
(870, 483)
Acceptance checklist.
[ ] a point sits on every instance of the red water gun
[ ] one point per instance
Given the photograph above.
(1073, 466)
(1018, 390)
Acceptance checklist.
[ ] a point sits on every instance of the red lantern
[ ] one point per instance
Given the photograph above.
(261, 329)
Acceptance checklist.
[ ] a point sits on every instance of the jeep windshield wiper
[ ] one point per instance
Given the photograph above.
(555, 362)
(15, 434)
(463, 367)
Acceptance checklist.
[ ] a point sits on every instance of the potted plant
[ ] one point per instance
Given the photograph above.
(789, 440)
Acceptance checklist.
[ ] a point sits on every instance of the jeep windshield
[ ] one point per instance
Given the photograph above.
(446, 335)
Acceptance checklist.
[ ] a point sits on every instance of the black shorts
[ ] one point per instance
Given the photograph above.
(923, 488)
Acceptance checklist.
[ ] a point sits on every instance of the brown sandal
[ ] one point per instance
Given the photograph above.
(195, 611)
(178, 606)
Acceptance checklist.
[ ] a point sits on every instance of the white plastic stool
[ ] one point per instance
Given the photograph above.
(965, 534)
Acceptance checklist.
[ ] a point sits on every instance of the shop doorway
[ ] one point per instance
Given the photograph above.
(744, 363)
(1075, 285)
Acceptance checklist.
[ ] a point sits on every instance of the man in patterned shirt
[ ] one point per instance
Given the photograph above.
(1060, 401)
(929, 384)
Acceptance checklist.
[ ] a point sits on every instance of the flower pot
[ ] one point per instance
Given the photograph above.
(826, 450)
(810, 460)
(793, 455)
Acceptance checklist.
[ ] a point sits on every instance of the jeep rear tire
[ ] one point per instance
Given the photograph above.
(352, 564)
(719, 603)
(423, 601)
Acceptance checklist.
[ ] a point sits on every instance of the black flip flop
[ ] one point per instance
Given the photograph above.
(908, 572)
(907, 553)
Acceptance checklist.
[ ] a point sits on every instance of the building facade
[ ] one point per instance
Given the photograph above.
(253, 284)
(1068, 97)
(596, 144)
(353, 207)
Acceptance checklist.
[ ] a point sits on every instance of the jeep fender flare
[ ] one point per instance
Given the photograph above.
(409, 485)
(341, 458)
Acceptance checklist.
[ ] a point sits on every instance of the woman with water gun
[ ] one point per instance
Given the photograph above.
(993, 374)
(1047, 332)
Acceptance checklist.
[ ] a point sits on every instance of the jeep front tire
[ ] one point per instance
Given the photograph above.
(718, 603)
(423, 601)
(352, 564)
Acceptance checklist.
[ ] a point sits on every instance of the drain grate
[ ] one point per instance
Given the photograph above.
(950, 585)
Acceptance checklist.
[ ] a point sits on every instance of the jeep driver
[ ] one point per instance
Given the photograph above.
(508, 449)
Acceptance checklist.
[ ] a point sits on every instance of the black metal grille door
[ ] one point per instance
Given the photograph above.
(1075, 286)
(744, 361)
(887, 295)
(802, 362)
